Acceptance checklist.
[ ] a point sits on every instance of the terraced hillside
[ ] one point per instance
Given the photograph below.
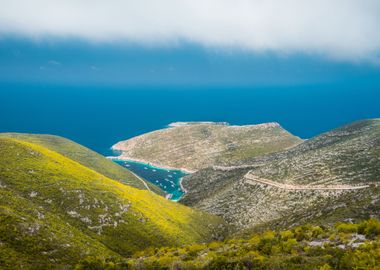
(54, 211)
(331, 177)
(194, 146)
(85, 157)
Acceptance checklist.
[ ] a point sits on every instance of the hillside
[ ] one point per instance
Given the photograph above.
(342, 246)
(85, 157)
(346, 155)
(328, 178)
(55, 211)
(193, 146)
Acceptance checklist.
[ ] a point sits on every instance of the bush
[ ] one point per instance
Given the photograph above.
(370, 228)
(222, 263)
(346, 227)
(96, 263)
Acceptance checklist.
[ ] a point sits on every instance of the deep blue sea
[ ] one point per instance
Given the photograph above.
(100, 116)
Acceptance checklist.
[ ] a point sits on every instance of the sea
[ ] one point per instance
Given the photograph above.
(167, 180)
(100, 116)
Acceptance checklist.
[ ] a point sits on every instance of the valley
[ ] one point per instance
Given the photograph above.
(71, 207)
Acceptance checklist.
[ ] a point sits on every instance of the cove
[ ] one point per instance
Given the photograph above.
(166, 179)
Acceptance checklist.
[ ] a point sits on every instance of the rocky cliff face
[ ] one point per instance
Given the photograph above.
(195, 146)
(332, 176)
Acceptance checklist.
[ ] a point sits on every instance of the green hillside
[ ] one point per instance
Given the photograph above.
(85, 157)
(344, 246)
(54, 210)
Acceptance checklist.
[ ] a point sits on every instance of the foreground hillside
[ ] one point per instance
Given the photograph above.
(325, 179)
(193, 146)
(85, 157)
(55, 211)
(343, 246)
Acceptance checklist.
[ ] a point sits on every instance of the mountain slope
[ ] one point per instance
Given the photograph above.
(194, 146)
(318, 179)
(55, 205)
(346, 155)
(342, 246)
(85, 157)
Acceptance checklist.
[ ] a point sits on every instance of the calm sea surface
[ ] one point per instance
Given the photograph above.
(167, 180)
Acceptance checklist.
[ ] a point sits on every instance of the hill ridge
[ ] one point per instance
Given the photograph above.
(196, 146)
(84, 156)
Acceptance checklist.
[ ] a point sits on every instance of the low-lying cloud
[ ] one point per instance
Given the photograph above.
(341, 29)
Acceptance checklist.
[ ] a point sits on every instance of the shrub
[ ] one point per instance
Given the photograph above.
(370, 227)
(346, 227)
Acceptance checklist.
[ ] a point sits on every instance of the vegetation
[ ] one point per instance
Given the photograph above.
(85, 157)
(61, 208)
(54, 211)
(195, 146)
(344, 156)
(344, 246)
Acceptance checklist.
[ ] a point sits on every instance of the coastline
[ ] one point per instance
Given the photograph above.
(157, 166)
(152, 164)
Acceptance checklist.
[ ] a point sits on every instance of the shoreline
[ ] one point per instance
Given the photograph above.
(157, 166)
(152, 164)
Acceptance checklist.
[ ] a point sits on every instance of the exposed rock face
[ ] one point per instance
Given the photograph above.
(194, 146)
(332, 176)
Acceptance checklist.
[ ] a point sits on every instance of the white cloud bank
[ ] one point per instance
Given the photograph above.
(343, 29)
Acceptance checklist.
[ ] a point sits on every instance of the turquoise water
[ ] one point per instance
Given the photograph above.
(167, 180)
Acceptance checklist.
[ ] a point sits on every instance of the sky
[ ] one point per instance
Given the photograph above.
(81, 67)
(241, 42)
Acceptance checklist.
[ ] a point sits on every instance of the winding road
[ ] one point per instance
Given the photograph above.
(254, 179)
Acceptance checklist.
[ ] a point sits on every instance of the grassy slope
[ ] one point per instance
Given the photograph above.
(198, 146)
(50, 201)
(85, 157)
(35, 238)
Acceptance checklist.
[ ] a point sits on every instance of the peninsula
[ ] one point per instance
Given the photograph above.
(190, 146)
